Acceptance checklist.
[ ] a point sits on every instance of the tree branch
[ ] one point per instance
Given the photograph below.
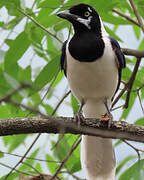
(137, 14)
(93, 127)
(125, 16)
(133, 52)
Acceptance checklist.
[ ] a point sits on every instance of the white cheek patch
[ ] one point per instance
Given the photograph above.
(86, 22)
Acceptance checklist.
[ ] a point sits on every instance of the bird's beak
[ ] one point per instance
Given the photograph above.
(67, 15)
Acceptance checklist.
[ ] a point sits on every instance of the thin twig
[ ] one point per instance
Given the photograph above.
(60, 102)
(21, 160)
(39, 25)
(137, 15)
(66, 158)
(138, 89)
(35, 159)
(50, 86)
(33, 4)
(133, 52)
(140, 102)
(58, 141)
(13, 92)
(128, 85)
(119, 96)
(136, 149)
(35, 111)
(29, 165)
(131, 81)
(19, 171)
(121, 106)
(126, 17)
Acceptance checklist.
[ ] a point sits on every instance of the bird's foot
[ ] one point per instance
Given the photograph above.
(107, 118)
(79, 118)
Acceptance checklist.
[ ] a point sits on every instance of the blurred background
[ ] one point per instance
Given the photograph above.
(30, 54)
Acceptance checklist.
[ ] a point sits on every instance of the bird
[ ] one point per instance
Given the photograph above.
(92, 62)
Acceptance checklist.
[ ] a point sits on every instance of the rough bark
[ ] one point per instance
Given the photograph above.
(93, 127)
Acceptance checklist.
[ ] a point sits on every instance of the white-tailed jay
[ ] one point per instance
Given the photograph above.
(92, 62)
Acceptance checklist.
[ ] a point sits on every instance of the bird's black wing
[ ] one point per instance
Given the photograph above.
(120, 60)
(63, 57)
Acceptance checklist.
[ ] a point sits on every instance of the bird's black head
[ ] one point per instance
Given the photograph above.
(83, 17)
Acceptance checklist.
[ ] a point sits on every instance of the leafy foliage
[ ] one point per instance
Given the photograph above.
(30, 54)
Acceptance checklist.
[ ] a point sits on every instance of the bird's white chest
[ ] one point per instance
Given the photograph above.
(93, 79)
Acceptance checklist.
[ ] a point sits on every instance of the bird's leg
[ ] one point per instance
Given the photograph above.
(79, 116)
(108, 116)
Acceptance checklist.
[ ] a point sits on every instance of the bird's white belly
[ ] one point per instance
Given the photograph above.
(94, 80)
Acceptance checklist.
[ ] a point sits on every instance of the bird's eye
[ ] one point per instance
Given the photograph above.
(87, 14)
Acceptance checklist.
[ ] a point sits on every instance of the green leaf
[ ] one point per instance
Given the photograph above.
(131, 102)
(11, 81)
(17, 49)
(14, 141)
(140, 122)
(14, 84)
(7, 110)
(47, 73)
(49, 4)
(135, 172)
(45, 17)
(126, 73)
(60, 25)
(116, 20)
(52, 166)
(49, 109)
(35, 33)
(36, 99)
(1, 154)
(11, 6)
(14, 2)
(73, 163)
(2, 55)
(58, 79)
(25, 74)
(4, 112)
(137, 31)
(2, 24)
(62, 148)
(51, 49)
(14, 22)
(118, 142)
(111, 33)
(33, 155)
(141, 45)
(12, 176)
(104, 5)
(76, 166)
(4, 86)
(38, 167)
(123, 162)
(140, 5)
(75, 104)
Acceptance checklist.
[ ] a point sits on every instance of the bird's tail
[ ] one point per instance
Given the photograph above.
(97, 154)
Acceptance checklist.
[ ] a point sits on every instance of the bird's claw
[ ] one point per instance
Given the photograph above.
(107, 118)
